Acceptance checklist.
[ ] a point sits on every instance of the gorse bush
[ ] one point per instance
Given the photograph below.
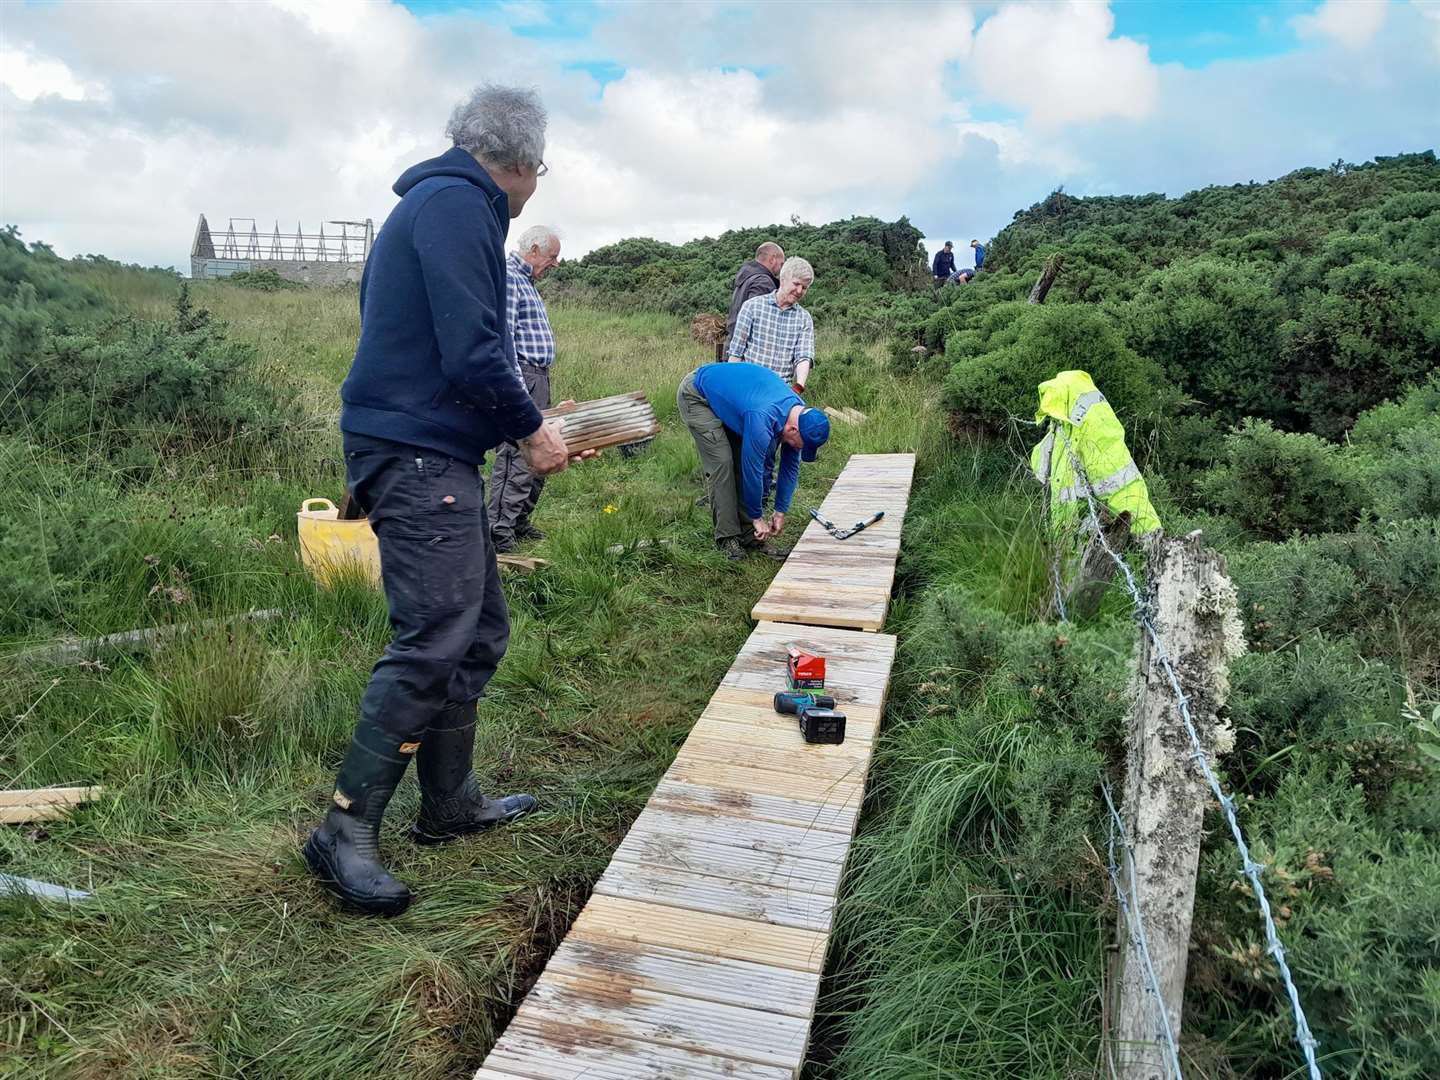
(859, 264)
(1304, 301)
(111, 387)
(998, 362)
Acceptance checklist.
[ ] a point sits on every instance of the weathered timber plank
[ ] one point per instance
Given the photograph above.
(703, 855)
(705, 772)
(672, 794)
(50, 796)
(554, 1050)
(23, 815)
(612, 1006)
(764, 731)
(829, 582)
(612, 920)
(659, 826)
(705, 978)
(720, 895)
(706, 744)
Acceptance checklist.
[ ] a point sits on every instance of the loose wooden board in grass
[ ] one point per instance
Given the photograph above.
(700, 952)
(24, 805)
(846, 583)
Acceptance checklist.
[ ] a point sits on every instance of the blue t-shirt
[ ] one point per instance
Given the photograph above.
(753, 402)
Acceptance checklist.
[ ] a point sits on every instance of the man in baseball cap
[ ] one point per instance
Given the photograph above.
(739, 416)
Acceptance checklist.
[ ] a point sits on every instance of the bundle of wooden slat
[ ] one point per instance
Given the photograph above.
(43, 804)
(611, 421)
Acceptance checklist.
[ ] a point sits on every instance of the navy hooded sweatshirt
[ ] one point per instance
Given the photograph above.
(434, 367)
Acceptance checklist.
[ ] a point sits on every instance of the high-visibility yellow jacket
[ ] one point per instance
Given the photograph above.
(1074, 410)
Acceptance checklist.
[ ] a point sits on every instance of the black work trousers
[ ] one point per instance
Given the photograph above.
(448, 614)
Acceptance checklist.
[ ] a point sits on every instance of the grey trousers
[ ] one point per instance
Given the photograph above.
(514, 489)
(720, 459)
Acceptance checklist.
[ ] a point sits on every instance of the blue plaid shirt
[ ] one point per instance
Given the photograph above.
(773, 337)
(529, 325)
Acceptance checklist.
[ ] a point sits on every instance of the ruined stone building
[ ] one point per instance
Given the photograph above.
(314, 258)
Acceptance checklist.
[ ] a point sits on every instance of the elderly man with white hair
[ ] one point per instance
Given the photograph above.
(433, 386)
(514, 486)
(775, 332)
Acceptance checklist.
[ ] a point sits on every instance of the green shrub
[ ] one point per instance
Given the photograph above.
(1025, 344)
(265, 280)
(1214, 327)
(1276, 483)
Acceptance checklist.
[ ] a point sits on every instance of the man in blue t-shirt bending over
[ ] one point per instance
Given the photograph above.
(739, 415)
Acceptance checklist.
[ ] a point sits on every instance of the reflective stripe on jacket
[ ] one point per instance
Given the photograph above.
(1076, 410)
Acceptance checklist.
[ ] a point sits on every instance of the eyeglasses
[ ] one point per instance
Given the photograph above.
(542, 170)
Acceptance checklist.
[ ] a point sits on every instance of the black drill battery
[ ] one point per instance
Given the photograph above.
(822, 725)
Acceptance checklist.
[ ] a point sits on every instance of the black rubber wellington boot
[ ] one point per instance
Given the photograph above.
(344, 852)
(451, 803)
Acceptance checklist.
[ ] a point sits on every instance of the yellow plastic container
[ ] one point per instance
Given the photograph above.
(332, 548)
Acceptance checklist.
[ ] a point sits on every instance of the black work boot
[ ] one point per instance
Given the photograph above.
(526, 531)
(344, 852)
(451, 803)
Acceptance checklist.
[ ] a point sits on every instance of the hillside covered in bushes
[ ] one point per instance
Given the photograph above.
(859, 266)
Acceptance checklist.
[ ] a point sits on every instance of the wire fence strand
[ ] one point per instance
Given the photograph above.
(1248, 866)
(1129, 901)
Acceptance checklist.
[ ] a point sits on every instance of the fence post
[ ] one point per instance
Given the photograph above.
(1193, 605)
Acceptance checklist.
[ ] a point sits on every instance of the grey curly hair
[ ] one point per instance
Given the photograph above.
(500, 124)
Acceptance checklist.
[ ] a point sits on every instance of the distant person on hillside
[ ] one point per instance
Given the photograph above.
(515, 487)
(756, 277)
(944, 264)
(433, 386)
(979, 253)
(739, 415)
(774, 331)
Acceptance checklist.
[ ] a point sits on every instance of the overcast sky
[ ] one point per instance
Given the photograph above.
(121, 121)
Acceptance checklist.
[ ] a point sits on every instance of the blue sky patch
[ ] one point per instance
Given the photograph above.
(1199, 32)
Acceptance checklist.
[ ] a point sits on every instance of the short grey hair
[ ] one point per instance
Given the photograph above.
(796, 269)
(769, 248)
(537, 236)
(500, 124)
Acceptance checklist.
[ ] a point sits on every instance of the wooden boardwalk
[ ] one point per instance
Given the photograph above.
(829, 582)
(699, 955)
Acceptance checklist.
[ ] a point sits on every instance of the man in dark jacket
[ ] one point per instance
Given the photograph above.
(944, 264)
(756, 277)
(434, 385)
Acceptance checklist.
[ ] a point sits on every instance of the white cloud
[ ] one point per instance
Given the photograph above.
(1060, 64)
(1431, 10)
(127, 120)
(1352, 23)
(28, 77)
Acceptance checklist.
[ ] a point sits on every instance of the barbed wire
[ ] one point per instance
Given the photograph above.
(1135, 924)
(1249, 867)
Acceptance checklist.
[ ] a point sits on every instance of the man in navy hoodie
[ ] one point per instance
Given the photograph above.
(433, 387)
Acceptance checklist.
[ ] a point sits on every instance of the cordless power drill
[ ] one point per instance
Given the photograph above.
(819, 720)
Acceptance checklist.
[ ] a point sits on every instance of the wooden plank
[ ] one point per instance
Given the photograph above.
(50, 796)
(792, 841)
(703, 745)
(607, 1005)
(545, 1049)
(24, 815)
(720, 895)
(611, 920)
(705, 978)
(674, 794)
(777, 732)
(709, 856)
(846, 583)
(746, 778)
